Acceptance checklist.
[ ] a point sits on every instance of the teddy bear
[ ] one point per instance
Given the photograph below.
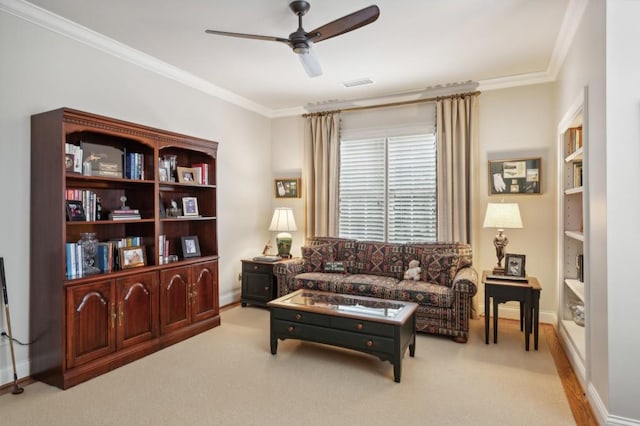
(413, 273)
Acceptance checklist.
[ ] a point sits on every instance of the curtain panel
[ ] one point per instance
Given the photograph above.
(457, 130)
(321, 174)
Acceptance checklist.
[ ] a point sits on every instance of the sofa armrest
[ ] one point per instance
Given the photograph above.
(285, 272)
(466, 281)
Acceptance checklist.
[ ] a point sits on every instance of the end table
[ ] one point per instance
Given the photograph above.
(501, 291)
(259, 284)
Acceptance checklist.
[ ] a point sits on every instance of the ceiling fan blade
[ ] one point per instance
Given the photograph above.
(310, 62)
(252, 36)
(345, 24)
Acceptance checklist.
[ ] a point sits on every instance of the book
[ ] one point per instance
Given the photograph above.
(507, 278)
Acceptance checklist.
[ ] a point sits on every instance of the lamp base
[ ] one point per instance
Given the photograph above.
(498, 270)
(283, 241)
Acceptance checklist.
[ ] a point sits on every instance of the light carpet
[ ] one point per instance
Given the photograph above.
(227, 376)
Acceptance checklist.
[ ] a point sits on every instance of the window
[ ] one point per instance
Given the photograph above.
(388, 188)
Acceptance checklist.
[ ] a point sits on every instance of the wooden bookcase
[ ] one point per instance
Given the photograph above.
(85, 326)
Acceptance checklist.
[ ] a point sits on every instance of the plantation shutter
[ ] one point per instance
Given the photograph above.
(362, 189)
(412, 189)
(388, 174)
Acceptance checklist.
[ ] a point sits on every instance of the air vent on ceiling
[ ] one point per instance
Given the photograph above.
(359, 82)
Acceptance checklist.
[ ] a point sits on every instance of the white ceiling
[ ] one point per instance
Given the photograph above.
(414, 44)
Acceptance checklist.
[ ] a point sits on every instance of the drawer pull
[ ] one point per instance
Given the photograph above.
(290, 329)
(255, 267)
(369, 343)
(359, 326)
(298, 317)
(266, 288)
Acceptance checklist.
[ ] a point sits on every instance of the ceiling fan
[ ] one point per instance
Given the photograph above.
(301, 41)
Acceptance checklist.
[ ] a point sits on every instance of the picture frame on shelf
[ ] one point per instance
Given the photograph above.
(287, 187)
(132, 257)
(187, 175)
(163, 174)
(514, 265)
(190, 246)
(75, 211)
(102, 160)
(190, 206)
(515, 176)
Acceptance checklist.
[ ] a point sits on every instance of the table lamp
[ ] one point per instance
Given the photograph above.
(283, 222)
(501, 216)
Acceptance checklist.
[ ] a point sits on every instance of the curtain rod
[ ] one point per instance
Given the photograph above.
(393, 104)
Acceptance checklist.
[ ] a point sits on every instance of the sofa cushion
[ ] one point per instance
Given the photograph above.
(380, 258)
(439, 268)
(321, 281)
(366, 285)
(343, 249)
(417, 251)
(314, 257)
(423, 293)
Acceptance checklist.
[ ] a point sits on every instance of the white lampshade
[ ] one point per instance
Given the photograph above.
(282, 220)
(502, 215)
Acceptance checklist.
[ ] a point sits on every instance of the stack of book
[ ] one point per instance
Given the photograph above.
(202, 173)
(125, 214)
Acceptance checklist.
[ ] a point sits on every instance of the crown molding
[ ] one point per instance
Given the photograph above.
(50, 21)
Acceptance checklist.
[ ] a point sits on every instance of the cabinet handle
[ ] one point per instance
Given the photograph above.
(298, 317)
(266, 288)
(359, 326)
(369, 343)
(255, 267)
(113, 316)
(290, 329)
(120, 314)
(194, 293)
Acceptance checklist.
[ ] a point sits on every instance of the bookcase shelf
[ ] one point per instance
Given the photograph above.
(90, 324)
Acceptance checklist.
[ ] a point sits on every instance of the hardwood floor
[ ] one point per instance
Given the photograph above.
(575, 395)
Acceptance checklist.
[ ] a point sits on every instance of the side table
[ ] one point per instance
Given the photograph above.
(501, 291)
(259, 284)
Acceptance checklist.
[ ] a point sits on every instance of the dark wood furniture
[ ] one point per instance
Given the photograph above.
(380, 327)
(86, 326)
(259, 284)
(502, 291)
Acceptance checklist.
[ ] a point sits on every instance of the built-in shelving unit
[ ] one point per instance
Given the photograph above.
(83, 325)
(573, 236)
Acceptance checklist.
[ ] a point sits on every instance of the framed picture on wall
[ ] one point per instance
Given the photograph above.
(519, 176)
(287, 188)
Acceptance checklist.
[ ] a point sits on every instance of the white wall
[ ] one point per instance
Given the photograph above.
(287, 160)
(41, 70)
(519, 123)
(623, 205)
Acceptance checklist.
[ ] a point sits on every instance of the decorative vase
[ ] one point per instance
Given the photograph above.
(89, 244)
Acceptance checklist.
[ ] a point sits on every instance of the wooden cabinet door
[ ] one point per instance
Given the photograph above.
(175, 293)
(91, 322)
(137, 309)
(204, 291)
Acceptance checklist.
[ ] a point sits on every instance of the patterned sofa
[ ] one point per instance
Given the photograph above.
(443, 293)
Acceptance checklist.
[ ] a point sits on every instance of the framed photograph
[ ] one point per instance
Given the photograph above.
(190, 246)
(520, 176)
(514, 265)
(163, 174)
(190, 206)
(187, 175)
(287, 188)
(75, 211)
(132, 257)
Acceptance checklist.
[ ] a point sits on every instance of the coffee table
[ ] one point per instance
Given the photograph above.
(379, 327)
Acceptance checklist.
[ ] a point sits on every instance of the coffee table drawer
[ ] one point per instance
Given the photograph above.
(360, 326)
(301, 317)
(345, 339)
